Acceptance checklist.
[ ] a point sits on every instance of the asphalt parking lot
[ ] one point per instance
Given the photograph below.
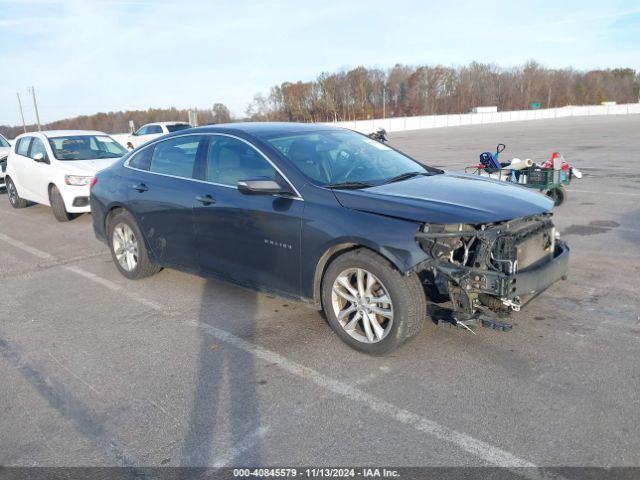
(178, 370)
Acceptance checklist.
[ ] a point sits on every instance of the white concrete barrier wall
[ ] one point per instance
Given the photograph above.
(402, 124)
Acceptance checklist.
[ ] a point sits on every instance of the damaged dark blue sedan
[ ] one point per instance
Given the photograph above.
(335, 219)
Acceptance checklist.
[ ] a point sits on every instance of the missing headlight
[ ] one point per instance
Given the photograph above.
(453, 243)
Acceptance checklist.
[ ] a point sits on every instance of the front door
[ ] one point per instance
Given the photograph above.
(251, 239)
(40, 173)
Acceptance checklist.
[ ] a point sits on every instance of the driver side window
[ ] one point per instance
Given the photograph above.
(37, 146)
(230, 160)
(141, 131)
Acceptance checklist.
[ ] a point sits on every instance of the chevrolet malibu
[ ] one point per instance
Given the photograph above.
(332, 218)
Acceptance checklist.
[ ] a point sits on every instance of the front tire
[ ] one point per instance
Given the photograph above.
(369, 304)
(128, 248)
(58, 206)
(14, 198)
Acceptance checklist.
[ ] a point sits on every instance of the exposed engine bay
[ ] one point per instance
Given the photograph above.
(495, 267)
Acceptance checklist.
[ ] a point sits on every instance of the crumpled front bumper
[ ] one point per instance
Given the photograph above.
(532, 282)
(526, 285)
(519, 287)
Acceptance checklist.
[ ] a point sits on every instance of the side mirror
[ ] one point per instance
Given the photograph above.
(40, 158)
(261, 186)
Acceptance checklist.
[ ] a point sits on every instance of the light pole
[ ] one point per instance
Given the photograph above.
(384, 101)
(24, 125)
(35, 106)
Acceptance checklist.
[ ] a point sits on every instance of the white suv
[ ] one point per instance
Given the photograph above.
(56, 168)
(5, 146)
(151, 131)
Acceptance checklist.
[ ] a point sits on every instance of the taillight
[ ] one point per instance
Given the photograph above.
(94, 180)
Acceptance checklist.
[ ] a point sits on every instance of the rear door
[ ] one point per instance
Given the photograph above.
(251, 239)
(161, 195)
(21, 169)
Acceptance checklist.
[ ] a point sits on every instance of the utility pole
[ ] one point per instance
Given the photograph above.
(24, 125)
(384, 102)
(35, 106)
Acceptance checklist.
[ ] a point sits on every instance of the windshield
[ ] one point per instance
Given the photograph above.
(86, 147)
(179, 126)
(344, 158)
(3, 142)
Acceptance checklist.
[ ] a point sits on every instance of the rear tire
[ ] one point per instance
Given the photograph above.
(14, 198)
(396, 320)
(58, 206)
(128, 248)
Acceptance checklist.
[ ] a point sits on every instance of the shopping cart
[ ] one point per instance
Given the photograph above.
(549, 181)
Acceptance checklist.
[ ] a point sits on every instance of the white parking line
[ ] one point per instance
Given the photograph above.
(27, 248)
(81, 271)
(115, 287)
(489, 453)
(480, 449)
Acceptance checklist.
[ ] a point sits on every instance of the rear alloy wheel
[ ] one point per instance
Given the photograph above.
(125, 247)
(58, 206)
(128, 249)
(369, 304)
(14, 198)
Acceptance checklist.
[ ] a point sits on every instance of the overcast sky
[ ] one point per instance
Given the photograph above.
(86, 56)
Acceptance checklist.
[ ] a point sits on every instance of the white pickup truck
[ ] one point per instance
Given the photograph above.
(153, 130)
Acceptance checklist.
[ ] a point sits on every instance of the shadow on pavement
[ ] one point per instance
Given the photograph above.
(224, 415)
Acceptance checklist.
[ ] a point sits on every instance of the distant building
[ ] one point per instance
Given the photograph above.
(484, 109)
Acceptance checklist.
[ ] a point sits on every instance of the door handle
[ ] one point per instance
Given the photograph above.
(141, 187)
(206, 199)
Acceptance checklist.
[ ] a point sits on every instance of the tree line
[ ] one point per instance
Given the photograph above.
(363, 93)
(118, 122)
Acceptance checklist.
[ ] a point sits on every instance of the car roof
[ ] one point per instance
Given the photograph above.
(266, 128)
(166, 123)
(63, 133)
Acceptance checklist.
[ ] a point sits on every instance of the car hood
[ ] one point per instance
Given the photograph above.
(447, 198)
(87, 167)
(4, 151)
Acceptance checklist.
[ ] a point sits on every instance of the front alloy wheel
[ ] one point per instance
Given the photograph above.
(370, 304)
(125, 247)
(362, 305)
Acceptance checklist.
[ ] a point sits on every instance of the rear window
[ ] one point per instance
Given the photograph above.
(142, 159)
(3, 142)
(176, 156)
(175, 128)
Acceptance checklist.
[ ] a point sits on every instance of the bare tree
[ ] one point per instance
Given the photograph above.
(220, 113)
